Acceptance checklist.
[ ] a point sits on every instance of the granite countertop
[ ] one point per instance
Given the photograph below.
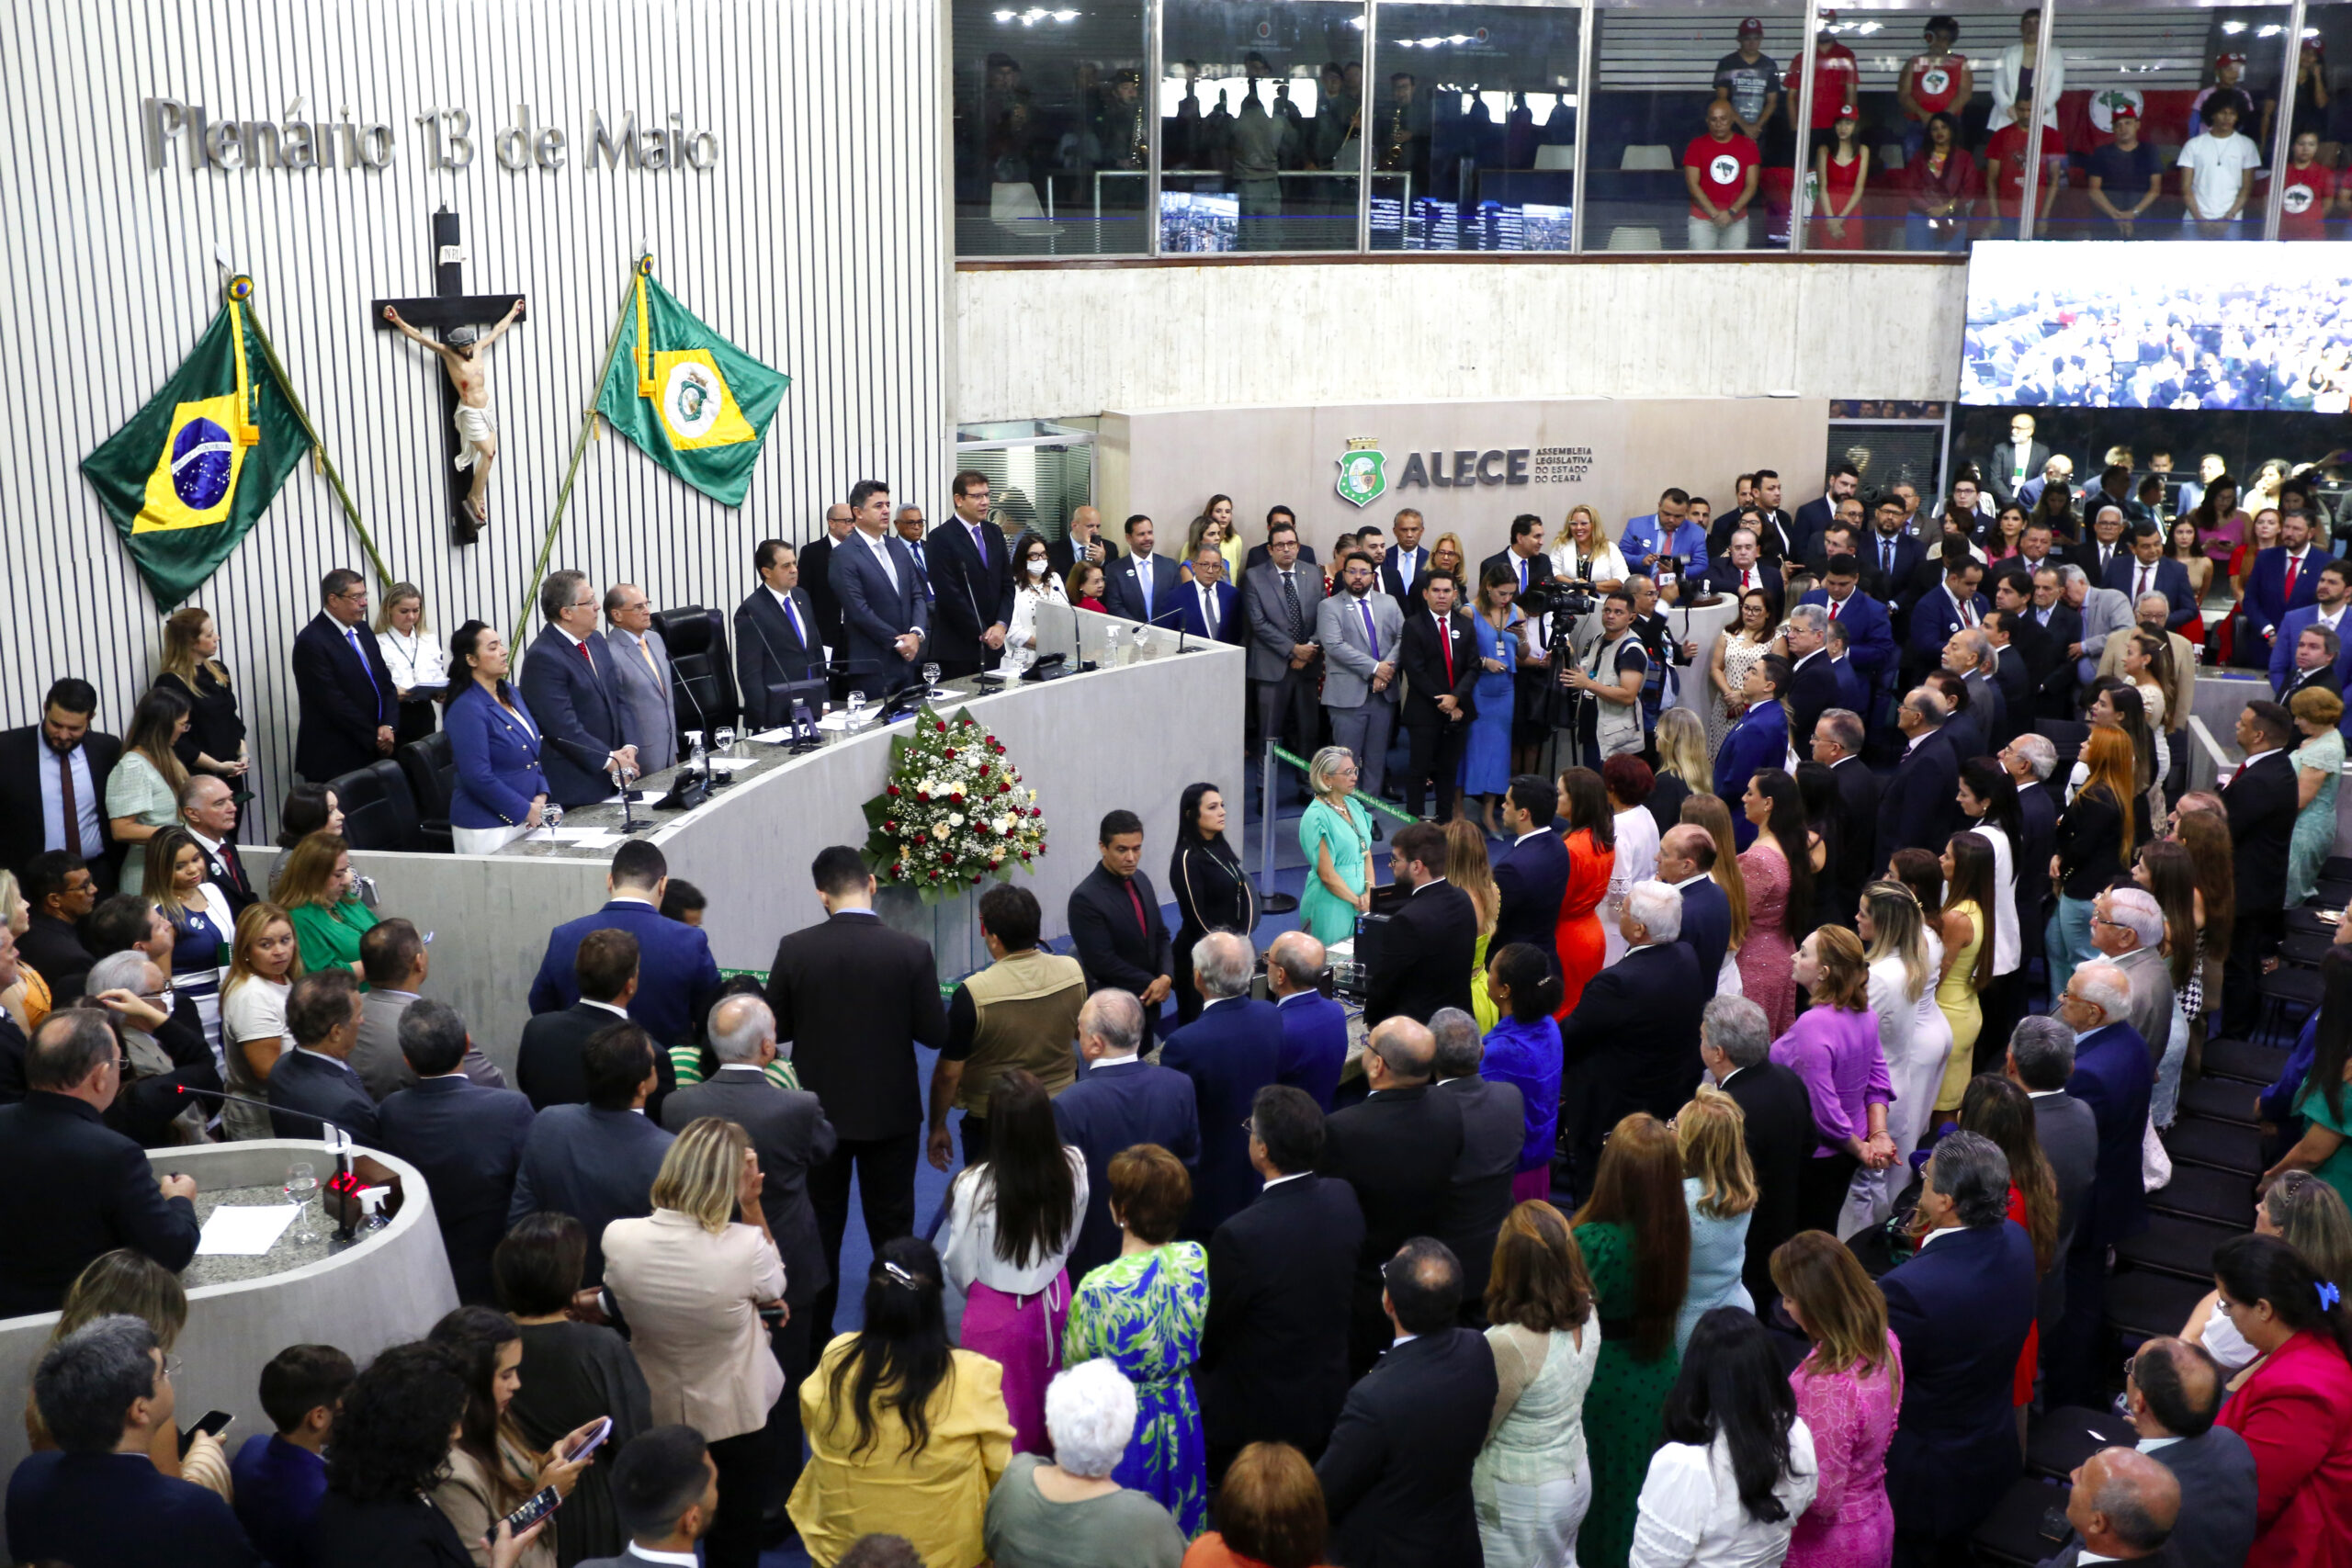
(216, 1269)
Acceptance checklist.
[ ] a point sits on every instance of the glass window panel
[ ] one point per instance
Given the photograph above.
(2313, 201)
(1658, 72)
(2172, 68)
(1049, 114)
(1261, 144)
(1477, 151)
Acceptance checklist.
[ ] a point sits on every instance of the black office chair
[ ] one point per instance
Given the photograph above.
(399, 802)
(432, 776)
(702, 671)
(369, 821)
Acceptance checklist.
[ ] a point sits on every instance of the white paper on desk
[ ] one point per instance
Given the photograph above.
(244, 1230)
(772, 737)
(727, 764)
(588, 838)
(836, 721)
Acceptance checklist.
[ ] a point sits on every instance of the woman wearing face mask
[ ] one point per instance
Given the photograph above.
(1034, 586)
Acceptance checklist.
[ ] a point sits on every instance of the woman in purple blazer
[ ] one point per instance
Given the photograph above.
(1833, 1047)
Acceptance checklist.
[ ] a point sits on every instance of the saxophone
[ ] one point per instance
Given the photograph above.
(1392, 155)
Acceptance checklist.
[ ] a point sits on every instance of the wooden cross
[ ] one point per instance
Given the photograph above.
(450, 306)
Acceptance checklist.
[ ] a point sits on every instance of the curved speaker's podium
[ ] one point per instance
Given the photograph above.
(382, 1288)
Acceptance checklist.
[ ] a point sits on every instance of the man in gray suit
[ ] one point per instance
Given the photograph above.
(2172, 1393)
(394, 956)
(665, 1490)
(1281, 600)
(640, 666)
(1358, 629)
(2128, 926)
(2105, 611)
(790, 1132)
(2041, 1059)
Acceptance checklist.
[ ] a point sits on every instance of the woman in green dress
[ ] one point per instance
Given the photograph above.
(2319, 764)
(143, 791)
(1635, 1232)
(319, 894)
(1335, 834)
(1145, 1310)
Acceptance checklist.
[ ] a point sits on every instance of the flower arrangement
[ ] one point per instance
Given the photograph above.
(954, 812)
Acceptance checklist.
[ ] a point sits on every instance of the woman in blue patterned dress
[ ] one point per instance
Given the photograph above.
(1144, 1310)
(1486, 758)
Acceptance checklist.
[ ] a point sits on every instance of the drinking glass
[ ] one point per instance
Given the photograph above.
(856, 709)
(552, 813)
(930, 680)
(301, 1186)
(725, 735)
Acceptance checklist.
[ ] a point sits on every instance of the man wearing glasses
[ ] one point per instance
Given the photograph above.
(2113, 1075)
(343, 691)
(572, 691)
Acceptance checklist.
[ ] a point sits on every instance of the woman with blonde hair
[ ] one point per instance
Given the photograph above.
(1447, 555)
(1467, 867)
(1904, 955)
(1335, 834)
(691, 1280)
(29, 1000)
(263, 962)
(2319, 766)
(1719, 1188)
(418, 666)
(1683, 768)
(1833, 1048)
(1848, 1390)
(215, 741)
(2302, 1210)
(320, 895)
(1966, 928)
(143, 791)
(1532, 1481)
(1581, 549)
(1708, 811)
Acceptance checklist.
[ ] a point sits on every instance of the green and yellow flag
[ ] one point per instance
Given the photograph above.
(699, 405)
(193, 470)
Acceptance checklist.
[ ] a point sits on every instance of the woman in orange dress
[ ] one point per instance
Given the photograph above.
(1592, 855)
(2002, 1112)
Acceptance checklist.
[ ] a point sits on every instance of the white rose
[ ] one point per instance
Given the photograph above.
(955, 819)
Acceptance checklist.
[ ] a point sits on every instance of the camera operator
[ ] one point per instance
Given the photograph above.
(1606, 713)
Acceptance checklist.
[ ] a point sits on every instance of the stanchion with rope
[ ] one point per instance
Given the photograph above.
(1272, 902)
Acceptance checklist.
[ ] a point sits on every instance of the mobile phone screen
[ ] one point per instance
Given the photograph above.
(214, 1423)
(542, 1502)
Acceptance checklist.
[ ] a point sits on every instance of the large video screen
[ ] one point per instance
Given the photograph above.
(2126, 325)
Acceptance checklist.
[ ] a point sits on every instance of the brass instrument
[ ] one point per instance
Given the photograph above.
(1392, 154)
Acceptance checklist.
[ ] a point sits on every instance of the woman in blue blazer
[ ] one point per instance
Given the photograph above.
(501, 792)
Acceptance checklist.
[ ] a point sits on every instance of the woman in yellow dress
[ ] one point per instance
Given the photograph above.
(1968, 868)
(1467, 867)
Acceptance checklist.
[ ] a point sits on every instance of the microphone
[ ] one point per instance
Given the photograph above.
(709, 774)
(342, 1184)
(775, 659)
(335, 1134)
(619, 775)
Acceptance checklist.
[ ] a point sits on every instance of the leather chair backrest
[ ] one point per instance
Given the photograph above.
(406, 826)
(368, 819)
(702, 673)
(432, 774)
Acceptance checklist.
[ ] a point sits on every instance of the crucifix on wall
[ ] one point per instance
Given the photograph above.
(460, 319)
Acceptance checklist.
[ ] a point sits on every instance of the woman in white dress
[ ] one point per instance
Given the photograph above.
(1035, 587)
(1627, 779)
(1533, 1482)
(1581, 549)
(1737, 1467)
(1905, 957)
(1988, 800)
(419, 665)
(2147, 664)
(1738, 648)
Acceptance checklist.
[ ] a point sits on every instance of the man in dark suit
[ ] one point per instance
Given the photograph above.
(2016, 460)
(1631, 1043)
(1953, 604)
(1838, 741)
(790, 1132)
(1314, 1027)
(678, 979)
(1813, 680)
(2310, 661)
(1971, 656)
(605, 968)
(972, 583)
(886, 624)
(1961, 1308)
(59, 891)
(1758, 739)
(2173, 1392)
(1140, 586)
(1916, 805)
(1273, 1362)
(596, 1162)
(1403, 559)
(1396, 1475)
(1281, 601)
(1115, 921)
(2029, 759)
(2012, 673)
(1524, 558)
(1532, 878)
(314, 1082)
(1494, 1129)
(1685, 857)
(2124, 1505)
(568, 687)
(2285, 577)
(1440, 659)
(69, 1188)
(817, 568)
(1781, 537)
(2113, 1075)
(1845, 481)
(1735, 1045)
(2059, 626)
(1208, 607)
(777, 638)
(1897, 559)
(342, 691)
(2040, 1059)
(1230, 1051)
(1870, 633)
(2100, 553)
(1426, 951)
(854, 998)
(55, 774)
(2289, 659)
(2148, 570)
(1084, 539)
(467, 1140)
(2262, 800)
(1744, 570)
(1398, 1149)
(208, 811)
(1122, 1100)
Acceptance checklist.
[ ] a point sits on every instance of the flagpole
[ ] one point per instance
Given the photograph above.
(350, 508)
(579, 449)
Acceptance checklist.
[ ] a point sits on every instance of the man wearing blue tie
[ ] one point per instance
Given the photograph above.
(1141, 586)
(1399, 569)
(343, 691)
(909, 525)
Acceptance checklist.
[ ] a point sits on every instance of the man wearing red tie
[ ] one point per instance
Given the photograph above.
(208, 808)
(1743, 569)
(572, 696)
(2285, 577)
(2146, 569)
(1440, 660)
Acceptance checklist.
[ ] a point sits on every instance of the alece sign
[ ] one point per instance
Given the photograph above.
(1363, 468)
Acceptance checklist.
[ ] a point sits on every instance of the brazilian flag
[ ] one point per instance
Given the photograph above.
(699, 405)
(193, 470)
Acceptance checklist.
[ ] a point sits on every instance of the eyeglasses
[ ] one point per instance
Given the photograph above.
(172, 1367)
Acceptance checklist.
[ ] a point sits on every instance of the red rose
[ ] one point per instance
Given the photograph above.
(943, 727)
(889, 826)
(949, 753)
(894, 792)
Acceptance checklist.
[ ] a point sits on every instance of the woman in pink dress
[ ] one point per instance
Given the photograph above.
(1779, 894)
(1849, 1391)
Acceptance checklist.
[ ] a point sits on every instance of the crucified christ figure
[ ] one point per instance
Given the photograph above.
(477, 428)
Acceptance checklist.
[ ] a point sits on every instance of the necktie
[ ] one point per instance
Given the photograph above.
(1135, 898)
(922, 573)
(351, 635)
(71, 810)
(1886, 554)
(2292, 562)
(889, 567)
(1363, 607)
(1208, 606)
(1744, 579)
(979, 544)
(1967, 612)
(1290, 603)
(1142, 568)
(1523, 574)
(2139, 592)
(792, 614)
(646, 650)
(1445, 646)
(236, 872)
(1834, 607)
(588, 655)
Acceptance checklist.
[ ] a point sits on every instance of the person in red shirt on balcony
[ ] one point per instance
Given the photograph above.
(1719, 168)
(2006, 154)
(1932, 83)
(1836, 79)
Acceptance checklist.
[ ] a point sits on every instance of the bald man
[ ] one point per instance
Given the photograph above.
(2172, 1391)
(1083, 542)
(2122, 1507)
